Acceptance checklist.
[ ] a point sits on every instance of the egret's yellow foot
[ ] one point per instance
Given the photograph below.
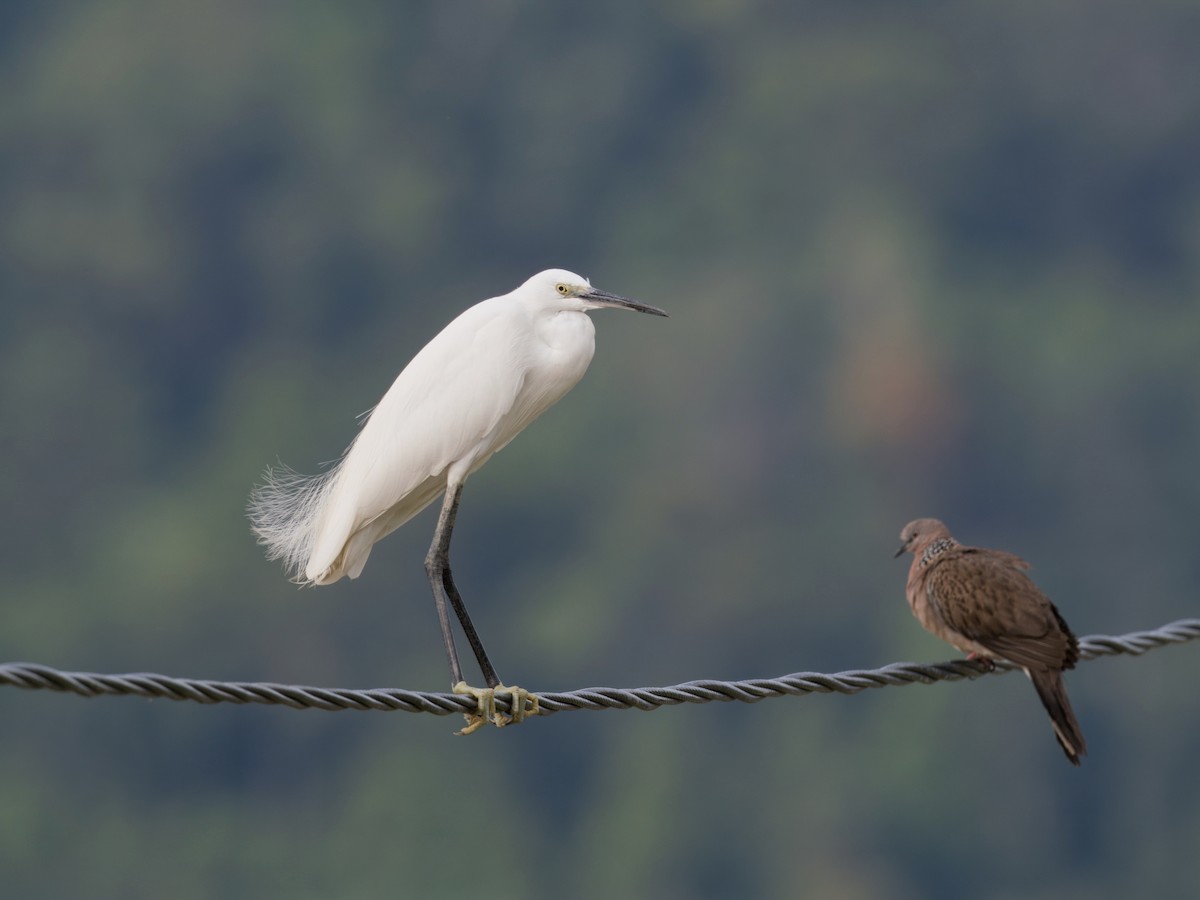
(485, 706)
(519, 698)
(522, 704)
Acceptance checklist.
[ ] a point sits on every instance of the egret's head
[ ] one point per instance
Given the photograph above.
(566, 290)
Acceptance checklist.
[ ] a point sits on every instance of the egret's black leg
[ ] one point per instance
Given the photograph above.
(436, 562)
(437, 567)
(481, 657)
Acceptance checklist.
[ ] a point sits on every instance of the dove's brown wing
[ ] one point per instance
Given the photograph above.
(986, 597)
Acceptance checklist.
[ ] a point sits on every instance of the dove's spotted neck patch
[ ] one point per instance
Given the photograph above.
(938, 547)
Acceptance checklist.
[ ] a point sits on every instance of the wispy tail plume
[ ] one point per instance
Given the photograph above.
(284, 511)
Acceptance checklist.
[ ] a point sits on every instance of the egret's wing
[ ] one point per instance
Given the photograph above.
(439, 410)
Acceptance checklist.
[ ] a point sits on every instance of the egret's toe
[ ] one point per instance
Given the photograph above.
(520, 697)
(485, 706)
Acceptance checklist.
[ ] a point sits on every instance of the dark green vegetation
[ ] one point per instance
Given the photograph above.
(922, 259)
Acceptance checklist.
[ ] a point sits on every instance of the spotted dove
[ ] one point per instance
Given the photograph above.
(983, 603)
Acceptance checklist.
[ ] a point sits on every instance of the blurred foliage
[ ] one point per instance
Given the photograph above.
(921, 259)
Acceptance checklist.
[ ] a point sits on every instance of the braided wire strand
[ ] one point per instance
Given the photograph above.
(33, 676)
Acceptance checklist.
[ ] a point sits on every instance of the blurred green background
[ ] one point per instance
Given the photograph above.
(922, 259)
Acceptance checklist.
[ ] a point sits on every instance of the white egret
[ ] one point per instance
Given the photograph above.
(465, 395)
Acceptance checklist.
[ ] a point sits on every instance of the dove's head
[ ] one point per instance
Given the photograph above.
(919, 534)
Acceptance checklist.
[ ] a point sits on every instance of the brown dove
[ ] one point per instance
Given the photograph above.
(983, 603)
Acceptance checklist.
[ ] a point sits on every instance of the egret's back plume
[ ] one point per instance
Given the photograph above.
(284, 510)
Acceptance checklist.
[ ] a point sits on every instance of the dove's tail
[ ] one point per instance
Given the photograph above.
(1053, 693)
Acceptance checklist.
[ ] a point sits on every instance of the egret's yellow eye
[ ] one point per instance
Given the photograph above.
(562, 289)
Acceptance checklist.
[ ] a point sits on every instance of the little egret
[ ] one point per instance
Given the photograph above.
(470, 391)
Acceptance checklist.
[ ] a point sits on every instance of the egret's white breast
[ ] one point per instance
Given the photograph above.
(554, 354)
(568, 342)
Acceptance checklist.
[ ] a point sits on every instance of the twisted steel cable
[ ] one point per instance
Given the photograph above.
(32, 676)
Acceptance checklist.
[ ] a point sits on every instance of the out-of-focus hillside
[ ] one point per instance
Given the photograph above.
(920, 259)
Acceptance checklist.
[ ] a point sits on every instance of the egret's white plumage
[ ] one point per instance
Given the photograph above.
(470, 391)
